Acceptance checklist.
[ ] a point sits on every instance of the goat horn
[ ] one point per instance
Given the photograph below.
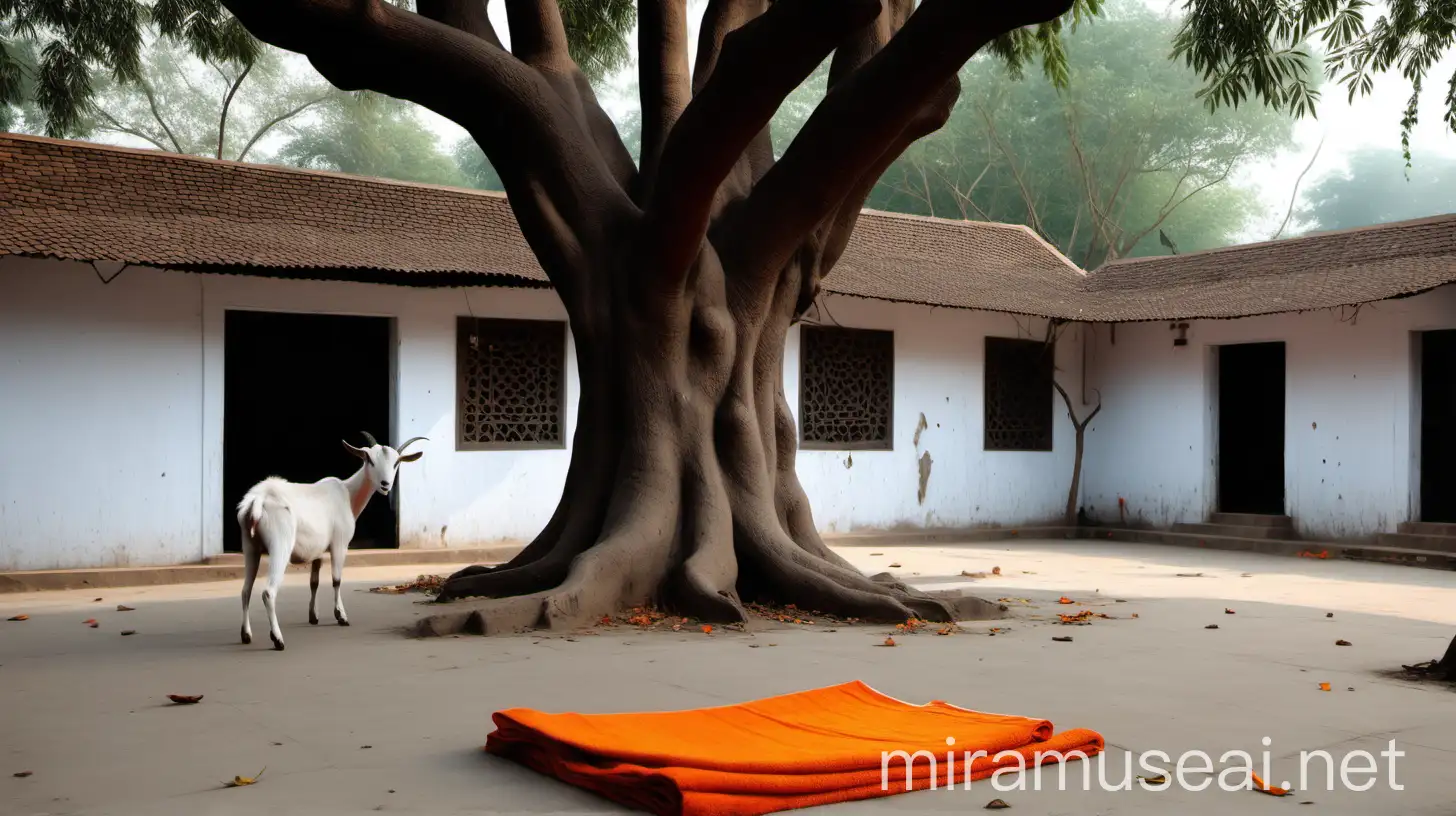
(409, 442)
(369, 438)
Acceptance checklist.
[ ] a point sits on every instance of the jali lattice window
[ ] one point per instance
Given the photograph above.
(511, 383)
(846, 388)
(1019, 394)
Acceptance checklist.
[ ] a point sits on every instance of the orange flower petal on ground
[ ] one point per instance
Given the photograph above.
(1264, 787)
(1065, 600)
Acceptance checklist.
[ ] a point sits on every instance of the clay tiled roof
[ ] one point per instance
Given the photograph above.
(93, 203)
(88, 202)
(1318, 271)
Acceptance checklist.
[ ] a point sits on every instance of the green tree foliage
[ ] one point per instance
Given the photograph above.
(1097, 168)
(1257, 49)
(183, 105)
(1372, 189)
(475, 169)
(367, 134)
(78, 42)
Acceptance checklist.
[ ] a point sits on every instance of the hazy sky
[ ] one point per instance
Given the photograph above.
(1372, 120)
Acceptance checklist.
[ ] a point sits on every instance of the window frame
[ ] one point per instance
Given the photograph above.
(887, 444)
(463, 325)
(1050, 416)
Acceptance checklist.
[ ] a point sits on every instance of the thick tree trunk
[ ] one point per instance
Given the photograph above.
(682, 489)
(680, 278)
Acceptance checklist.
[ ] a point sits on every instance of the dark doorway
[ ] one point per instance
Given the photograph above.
(1251, 428)
(294, 386)
(1438, 426)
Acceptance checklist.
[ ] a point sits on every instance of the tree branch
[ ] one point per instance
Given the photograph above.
(157, 115)
(227, 102)
(117, 127)
(538, 36)
(664, 79)
(274, 122)
(760, 64)
(470, 16)
(513, 112)
(1294, 194)
(816, 173)
(1081, 424)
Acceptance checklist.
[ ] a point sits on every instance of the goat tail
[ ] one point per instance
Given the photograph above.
(261, 504)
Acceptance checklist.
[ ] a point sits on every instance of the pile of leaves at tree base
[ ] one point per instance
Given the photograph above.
(428, 584)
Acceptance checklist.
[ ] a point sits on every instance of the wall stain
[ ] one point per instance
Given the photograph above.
(925, 463)
(919, 428)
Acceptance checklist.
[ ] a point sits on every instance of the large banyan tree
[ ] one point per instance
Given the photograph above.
(680, 274)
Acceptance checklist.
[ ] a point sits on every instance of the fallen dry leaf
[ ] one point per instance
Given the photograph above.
(894, 565)
(89, 621)
(1324, 686)
(1211, 626)
(1134, 614)
(240, 781)
(1264, 787)
(20, 618)
(995, 570)
(185, 699)
(1227, 611)
(707, 629)
(1342, 643)
(126, 632)
(1065, 600)
(876, 553)
(98, 600)
(1160, 779)
(969, 574)
(1190, 575)
(124, 608)
(889, 641)
(996, 804)
(1062, 639)
(1329, 614)
(22, 774)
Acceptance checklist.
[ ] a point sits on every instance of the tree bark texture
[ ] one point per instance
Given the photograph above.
(681, 277)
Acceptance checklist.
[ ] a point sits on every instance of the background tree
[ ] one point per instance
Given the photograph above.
(183, 105)
(475, 169)
(1097, 168)
(1375, 189)
(63, 48)
(367, 134)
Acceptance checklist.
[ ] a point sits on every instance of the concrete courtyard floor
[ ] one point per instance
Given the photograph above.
(359, 719)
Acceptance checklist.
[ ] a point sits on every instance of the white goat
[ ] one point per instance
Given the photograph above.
(297, 523)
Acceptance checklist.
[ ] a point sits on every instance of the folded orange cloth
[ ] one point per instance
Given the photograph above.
(797, 750)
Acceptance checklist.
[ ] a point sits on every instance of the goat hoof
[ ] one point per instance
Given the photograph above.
(247, 638)
(343, 621)
(277, 645)
(313, 619)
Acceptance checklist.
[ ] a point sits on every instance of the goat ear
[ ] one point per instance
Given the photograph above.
(410, 457)
(359, 452)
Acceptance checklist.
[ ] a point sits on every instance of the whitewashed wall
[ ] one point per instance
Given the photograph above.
(111, 408)
(1351, 413)
(939, 369)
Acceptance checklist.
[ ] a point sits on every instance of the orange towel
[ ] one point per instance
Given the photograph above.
(798, 750)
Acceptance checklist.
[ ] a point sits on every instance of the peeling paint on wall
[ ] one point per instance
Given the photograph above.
(920, 427)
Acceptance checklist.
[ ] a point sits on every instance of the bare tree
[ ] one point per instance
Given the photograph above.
(1080, 426)
(680, 278)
